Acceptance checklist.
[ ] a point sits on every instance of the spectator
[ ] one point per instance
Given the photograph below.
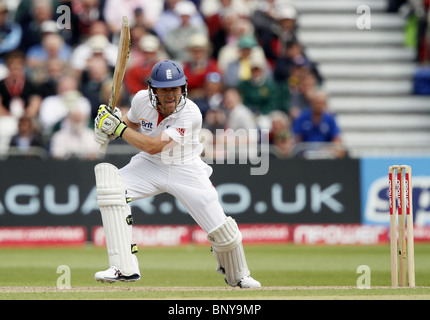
(243, 8)
(198, 65)
(136, 77)
(114, 10)
(169, 20)
(280, 137)
(300, 89)
(98, 75)
(27, 136)
(10, 32)
(176, 39)
(39, 12)
(264, 17)
(46, 77)
(214, 20)
(275, 26)
(76, 139)
(215, 119)
(317, 124)
(239, 116)
(240, 69)
(260, 93)
(51, 47)
(97, 44)
(293, 56)
(87, 12)
(54, 109)
(229, 51)
(225, 33)
(213, 94)
(17, 93)
(136, 54)
(241, 127)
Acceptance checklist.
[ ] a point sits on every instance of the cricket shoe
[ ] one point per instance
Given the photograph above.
(113, 274)
(246, 282)
(249, 282)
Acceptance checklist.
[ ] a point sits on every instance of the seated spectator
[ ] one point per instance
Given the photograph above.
(51, 47)
(198, 65)
(240, 69)
(10, 32)
(281, 138)
(169, 20)
(260, 92)
(239, 116)
(76, 139)
(317, 124)
(54, 109)
(114, 10)
(275, 24)
(212, 94)
(47, 75)
(264, 17)
(27, 136)
(98, 74)
(136, 56)
(226, 33)
(294, 56)
(220, 15)
(176, 40)
(136, 77)
(17, 94)
(87, 12)
(228, 50)
(215, 119)
(241, 128)
(302, 83)
(214, 19)
(97, 44)
(31, 15)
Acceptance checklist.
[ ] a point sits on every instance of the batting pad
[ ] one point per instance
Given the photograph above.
(114, 209)
(227, 248)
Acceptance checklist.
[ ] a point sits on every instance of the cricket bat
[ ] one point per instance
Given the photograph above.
(121, 63)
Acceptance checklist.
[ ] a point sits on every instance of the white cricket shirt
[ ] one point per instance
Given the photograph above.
(183, 127)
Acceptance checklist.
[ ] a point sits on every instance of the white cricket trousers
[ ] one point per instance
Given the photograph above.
(190, 184)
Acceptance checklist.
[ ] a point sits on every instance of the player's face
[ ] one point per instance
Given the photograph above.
(168, 99)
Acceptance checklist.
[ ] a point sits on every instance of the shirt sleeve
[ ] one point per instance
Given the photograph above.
(137, 103)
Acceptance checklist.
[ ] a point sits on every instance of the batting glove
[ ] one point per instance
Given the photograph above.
(108, 123)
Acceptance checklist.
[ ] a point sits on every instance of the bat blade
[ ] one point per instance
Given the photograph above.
(120, 66)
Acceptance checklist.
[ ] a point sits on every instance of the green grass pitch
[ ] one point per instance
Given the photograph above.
(188, 272)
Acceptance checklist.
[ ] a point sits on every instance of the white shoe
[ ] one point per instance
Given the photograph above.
(113, 274)
(249, 282)
(246, 282)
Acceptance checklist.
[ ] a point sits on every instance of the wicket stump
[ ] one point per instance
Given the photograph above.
(401, 187)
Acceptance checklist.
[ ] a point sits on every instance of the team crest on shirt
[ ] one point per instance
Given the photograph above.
(146, 125)
(181, 131)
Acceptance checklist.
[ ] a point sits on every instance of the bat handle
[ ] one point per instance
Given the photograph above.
(103, 148)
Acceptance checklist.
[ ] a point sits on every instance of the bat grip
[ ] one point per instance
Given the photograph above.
(103, 148)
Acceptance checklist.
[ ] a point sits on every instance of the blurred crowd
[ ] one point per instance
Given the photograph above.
(245, 64)
(417, 30)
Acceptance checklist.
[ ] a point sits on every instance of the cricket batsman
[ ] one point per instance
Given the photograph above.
(170, 162)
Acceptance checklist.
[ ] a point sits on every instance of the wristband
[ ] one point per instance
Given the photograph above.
(120, 129)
